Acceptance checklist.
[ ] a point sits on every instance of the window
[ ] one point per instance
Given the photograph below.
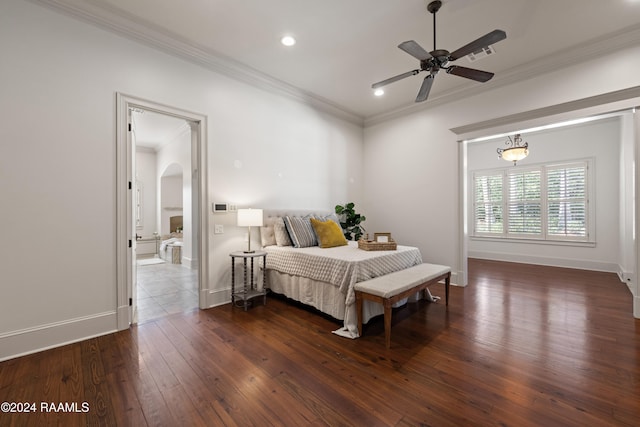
(546, 202)
(524, 203)
(488, 206)
(567, 201)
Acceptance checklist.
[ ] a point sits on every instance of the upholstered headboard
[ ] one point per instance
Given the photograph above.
(268, 231)
(270, 215)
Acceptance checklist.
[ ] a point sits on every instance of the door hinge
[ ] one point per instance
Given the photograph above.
(129, 127)
(130, 302)
(130, 244)
(129, 185)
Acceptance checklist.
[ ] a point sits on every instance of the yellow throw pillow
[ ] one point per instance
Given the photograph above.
(329, 233)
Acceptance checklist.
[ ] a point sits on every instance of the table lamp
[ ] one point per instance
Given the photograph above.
(249, 218)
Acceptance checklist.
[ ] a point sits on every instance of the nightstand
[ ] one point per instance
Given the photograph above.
(248, 291)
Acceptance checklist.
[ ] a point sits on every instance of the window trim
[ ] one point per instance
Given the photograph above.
(543, 238)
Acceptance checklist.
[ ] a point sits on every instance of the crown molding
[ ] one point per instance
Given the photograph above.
(128, 26)
(623, 39)
(121, 23)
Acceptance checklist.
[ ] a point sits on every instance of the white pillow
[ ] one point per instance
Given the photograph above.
(267, 235)
(281, 234)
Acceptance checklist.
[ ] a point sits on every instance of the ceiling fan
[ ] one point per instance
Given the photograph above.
(438, 59)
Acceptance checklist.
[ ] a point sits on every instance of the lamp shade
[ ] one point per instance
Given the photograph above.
(250, 218)
(514, 154)
(517, 149)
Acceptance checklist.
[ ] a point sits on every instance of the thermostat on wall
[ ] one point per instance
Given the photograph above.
(220, 207)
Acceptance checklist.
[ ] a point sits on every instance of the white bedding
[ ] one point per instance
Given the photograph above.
(341, 267)
(172, 241)
(170, 250)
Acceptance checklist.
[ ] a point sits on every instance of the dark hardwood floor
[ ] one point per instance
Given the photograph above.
(520, 346)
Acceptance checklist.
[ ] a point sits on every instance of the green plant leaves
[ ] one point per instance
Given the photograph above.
(350, 221)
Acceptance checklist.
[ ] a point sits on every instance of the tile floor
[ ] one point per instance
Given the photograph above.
(165, 289)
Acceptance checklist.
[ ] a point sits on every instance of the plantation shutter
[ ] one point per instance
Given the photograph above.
(567, 201)
(540, 202)
(488, 214)
(524, 204)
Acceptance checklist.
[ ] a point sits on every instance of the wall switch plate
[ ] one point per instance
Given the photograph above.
(218, 229)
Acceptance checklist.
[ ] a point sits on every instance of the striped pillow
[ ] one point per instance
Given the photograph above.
(301, 231)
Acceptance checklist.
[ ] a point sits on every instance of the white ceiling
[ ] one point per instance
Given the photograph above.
(343, 46)
(153, 130)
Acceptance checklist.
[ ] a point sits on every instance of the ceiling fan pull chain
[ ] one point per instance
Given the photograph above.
(434, 31)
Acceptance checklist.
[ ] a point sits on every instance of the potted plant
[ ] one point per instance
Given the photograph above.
(350, 221)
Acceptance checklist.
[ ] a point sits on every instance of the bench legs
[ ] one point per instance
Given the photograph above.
(447, 282)
(387, 303)
(359, 311)
(387, 322)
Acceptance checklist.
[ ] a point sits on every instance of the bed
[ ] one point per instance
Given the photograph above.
(324, 277)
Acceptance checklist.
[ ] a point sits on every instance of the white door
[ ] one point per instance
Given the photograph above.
(133, 213)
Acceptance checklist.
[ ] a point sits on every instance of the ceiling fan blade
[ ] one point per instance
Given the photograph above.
(488, 39)
(415, 50)
(470, 73)
(423, 93)
(394, 79)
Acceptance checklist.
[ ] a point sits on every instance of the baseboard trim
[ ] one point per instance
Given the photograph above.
(191, 263)
(551, 262)
(123, 317)
(625, 277)
(455, 279)
(217, 297)
(32, 340)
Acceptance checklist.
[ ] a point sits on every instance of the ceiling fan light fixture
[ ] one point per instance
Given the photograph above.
(517, 150)
(288, 40)
(439, 59)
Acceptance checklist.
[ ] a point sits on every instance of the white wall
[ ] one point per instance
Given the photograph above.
(170, 200)
(59, 79)
(411, 174)
(627, 231)
(286, 156)
(177, 155)
(597, 140)
(146, 176)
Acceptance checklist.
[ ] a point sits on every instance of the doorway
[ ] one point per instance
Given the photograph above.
(166, 265)
(607, 104)
(178, 246)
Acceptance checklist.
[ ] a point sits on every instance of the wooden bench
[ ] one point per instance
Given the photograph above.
(393, 287)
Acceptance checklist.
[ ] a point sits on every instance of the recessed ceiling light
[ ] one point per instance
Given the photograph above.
(288, 41)
(378, 92)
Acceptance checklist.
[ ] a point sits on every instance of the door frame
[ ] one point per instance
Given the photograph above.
(625, 99)
(124, 199)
